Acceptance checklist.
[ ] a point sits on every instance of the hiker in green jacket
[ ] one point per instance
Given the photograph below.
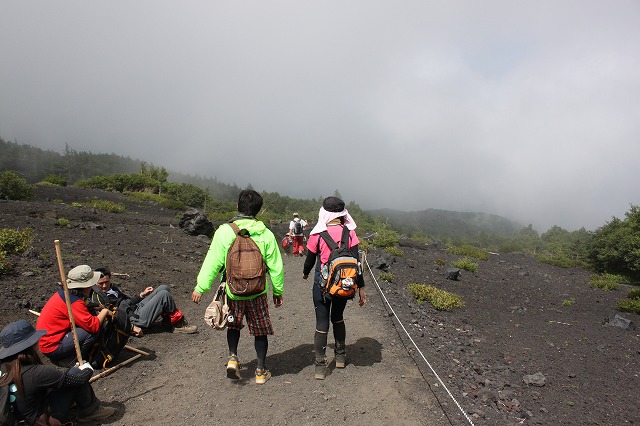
(254, 307)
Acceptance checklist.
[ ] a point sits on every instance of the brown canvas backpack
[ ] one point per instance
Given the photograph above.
(245, 269)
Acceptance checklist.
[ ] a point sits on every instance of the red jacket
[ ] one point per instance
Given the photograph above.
(55, 319)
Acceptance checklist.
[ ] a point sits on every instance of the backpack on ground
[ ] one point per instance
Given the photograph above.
(245, 268)
(217, 313)
(7, 392)
(297, 227)
(340, 274)
(115, 331)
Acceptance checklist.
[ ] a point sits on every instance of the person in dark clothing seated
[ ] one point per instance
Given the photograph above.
(40, 393)
(150, 304)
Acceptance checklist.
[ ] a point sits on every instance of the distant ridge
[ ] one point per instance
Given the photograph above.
(446, 223)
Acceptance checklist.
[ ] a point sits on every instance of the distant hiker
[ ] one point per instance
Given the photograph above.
(43, 393)
(58, 344)
(296, 230)
(287, 243)
(333, 218)
(150, 304)
(253, 307)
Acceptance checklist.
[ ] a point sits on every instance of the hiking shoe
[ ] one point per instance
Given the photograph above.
(341, 360)
(101, 413)
(262, 375)
(183, 326)
(321, 369)
(233, 368)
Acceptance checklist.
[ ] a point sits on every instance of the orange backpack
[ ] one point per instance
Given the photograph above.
(339, 275)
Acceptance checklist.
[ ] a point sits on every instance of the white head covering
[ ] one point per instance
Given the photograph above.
(325, 217)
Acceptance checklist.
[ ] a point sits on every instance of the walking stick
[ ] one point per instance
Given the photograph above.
(67, 299)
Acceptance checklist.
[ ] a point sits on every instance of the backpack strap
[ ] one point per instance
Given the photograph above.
(344, 241)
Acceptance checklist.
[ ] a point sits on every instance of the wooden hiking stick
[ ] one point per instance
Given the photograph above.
(76, 342)
(114, 368)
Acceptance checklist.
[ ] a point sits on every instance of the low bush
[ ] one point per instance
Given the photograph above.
(167, 203)
(385, 276)
(55, 180)
(440, 262)
(13, 241)
(394, 251)
(470, 251)
(466, 264)
(14, 187)
(606, 282)
(386, 237)
(634, 294)
(629, 305)
(107, 206)
(63, 222)
(440, 299)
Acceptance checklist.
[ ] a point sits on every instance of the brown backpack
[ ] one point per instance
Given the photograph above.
(245, 269)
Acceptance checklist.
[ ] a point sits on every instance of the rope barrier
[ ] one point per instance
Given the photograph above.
(415, 345)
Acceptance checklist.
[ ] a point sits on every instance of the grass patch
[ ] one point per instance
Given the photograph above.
(107, 206)
(606, 282)
(394, 251)
(466, 264)
(469, 251)
(440, 262)
(568, 302)
(629, 305)
(386, 277)
(440, 299)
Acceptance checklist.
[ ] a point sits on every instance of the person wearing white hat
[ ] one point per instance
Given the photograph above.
(58, 344)
(42, 393)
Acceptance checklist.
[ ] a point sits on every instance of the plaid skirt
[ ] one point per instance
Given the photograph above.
(256, 312)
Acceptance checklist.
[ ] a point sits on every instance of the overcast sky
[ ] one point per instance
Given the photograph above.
(525, 109)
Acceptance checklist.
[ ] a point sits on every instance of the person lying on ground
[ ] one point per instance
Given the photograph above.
(40, 393)
(58, 344)
(150, 304)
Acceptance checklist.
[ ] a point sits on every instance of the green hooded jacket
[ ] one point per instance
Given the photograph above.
(214, 262)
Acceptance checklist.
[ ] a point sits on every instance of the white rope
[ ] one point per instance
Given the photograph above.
(414, 343)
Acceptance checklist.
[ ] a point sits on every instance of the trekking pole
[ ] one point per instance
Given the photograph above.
(67, 299)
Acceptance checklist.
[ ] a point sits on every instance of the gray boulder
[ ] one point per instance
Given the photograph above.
(193, 222)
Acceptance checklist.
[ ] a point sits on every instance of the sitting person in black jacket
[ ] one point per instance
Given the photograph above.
(40, 392)
(150, 304)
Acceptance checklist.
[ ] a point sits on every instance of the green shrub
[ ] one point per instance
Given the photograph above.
(13, 241)
(55, 180)
(468, 250)
(167, 203)
(606, 282)
(568, 302)
(385, 276)
(629, 305)
(440, 299)
(107, 206)
(74, 204)
(440, 262)
(634, 294)
(63, 222)
(394, 251)
(14, 187)
(465, 264)
(386, 237)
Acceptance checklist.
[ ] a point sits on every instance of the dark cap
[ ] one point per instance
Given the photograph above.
(18, 336)
(333, 204)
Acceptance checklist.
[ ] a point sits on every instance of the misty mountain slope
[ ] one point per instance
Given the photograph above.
(440, 223)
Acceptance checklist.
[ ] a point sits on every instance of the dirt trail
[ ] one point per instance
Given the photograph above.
(186, 382)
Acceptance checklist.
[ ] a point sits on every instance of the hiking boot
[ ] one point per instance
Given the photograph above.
(101, 413)
(233, 368)
(183, 326)
(262, 375)
(321, 369)
(341, 355)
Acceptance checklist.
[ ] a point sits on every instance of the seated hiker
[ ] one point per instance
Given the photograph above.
(58, 344)
(150, 304)
(43, 393)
